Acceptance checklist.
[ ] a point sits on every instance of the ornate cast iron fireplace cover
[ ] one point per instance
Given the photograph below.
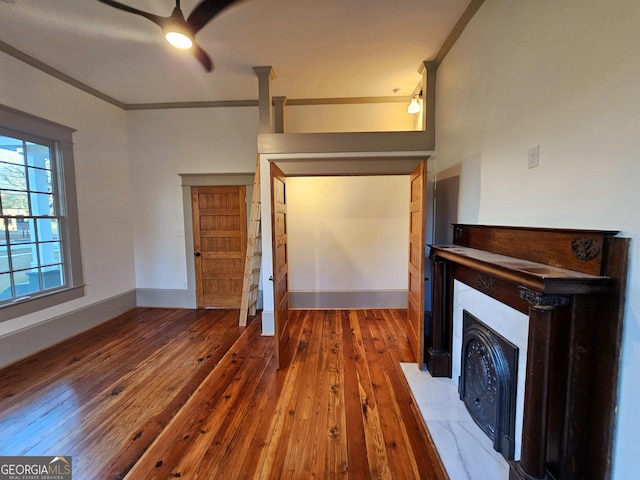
(487, 383)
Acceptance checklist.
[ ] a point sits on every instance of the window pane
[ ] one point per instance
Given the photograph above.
(21, 230)
(23, 256)
(15, 204)
(48, 229)
(38, 155)
(4, 261)
(5, 286)
(26, 282)
(11, 150)
(40, 180)
(42, 204)
(3, 232)
(13, 177)
(52, 276)
(50, 253)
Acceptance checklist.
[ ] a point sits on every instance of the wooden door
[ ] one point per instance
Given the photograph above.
(220, 242)
(280, 264)
(417, 235)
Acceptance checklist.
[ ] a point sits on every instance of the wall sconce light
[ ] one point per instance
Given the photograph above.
(414, 105)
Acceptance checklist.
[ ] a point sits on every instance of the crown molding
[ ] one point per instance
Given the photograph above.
(35, 63)
(206, 104)
(459, 27)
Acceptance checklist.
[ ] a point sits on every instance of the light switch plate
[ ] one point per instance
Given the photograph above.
(534, 156)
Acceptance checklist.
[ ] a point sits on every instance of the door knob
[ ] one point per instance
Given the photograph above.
(197, 254)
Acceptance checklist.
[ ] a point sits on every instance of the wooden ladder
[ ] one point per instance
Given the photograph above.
(253, 258)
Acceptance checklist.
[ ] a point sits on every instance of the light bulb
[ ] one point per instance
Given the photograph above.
(178, 40)
(414, 106)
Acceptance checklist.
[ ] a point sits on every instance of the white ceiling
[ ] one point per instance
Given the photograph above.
(318, 48)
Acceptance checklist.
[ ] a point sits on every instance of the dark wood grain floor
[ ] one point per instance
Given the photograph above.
(160, 393)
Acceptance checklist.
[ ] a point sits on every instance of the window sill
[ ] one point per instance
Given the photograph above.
(30, 305)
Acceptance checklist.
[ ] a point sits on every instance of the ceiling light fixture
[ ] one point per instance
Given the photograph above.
(178, 40)
(414, 106)
(178, 34)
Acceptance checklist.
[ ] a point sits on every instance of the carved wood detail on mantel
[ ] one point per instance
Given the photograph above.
(572, 284)
(485, 283)
(585, 249)
(542, 301)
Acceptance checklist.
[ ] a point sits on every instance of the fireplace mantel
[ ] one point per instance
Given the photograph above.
(536, 276)
(571, 284)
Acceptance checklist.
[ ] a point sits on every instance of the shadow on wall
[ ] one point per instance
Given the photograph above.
(445, 212)
(457, 197)
(446, 195)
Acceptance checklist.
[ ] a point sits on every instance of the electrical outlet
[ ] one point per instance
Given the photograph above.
(534, 156)
(181, 232)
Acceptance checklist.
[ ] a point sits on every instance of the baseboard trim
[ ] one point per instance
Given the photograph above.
(27, 341)
(268, 323)
(166, 298)
(354, 299)
(172, 298)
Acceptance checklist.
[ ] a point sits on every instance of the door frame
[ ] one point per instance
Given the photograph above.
(342, 164)
(187, 298)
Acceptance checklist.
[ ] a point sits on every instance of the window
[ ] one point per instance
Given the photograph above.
(40, 263)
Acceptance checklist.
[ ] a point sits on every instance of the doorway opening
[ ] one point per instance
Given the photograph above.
(189, 297)
(415, 236)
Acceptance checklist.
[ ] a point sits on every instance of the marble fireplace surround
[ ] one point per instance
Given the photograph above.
(510, 323)
(568, 288)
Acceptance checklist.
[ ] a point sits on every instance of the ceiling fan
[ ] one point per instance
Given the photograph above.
(181, 32)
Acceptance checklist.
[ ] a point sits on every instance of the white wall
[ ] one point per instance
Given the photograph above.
(162, 145)
(564, 75)
(102, 181)
(348, 233)
(372, 117)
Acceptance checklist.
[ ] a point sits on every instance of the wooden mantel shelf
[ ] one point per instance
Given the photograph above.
(572, 286)
(536, 276)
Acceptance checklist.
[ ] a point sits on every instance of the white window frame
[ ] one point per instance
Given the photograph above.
(19, 124)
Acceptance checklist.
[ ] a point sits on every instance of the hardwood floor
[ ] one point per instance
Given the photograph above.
(160, 393)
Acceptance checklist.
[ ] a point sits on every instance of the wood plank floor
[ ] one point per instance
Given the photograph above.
(162, 394)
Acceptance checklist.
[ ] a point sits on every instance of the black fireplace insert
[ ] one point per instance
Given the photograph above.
(488, 382)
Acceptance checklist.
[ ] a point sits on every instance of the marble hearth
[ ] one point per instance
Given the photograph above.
(465, 450)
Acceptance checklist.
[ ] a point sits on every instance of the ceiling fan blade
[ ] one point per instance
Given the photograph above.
(202, 57)
(205, 11)
(157, 19)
